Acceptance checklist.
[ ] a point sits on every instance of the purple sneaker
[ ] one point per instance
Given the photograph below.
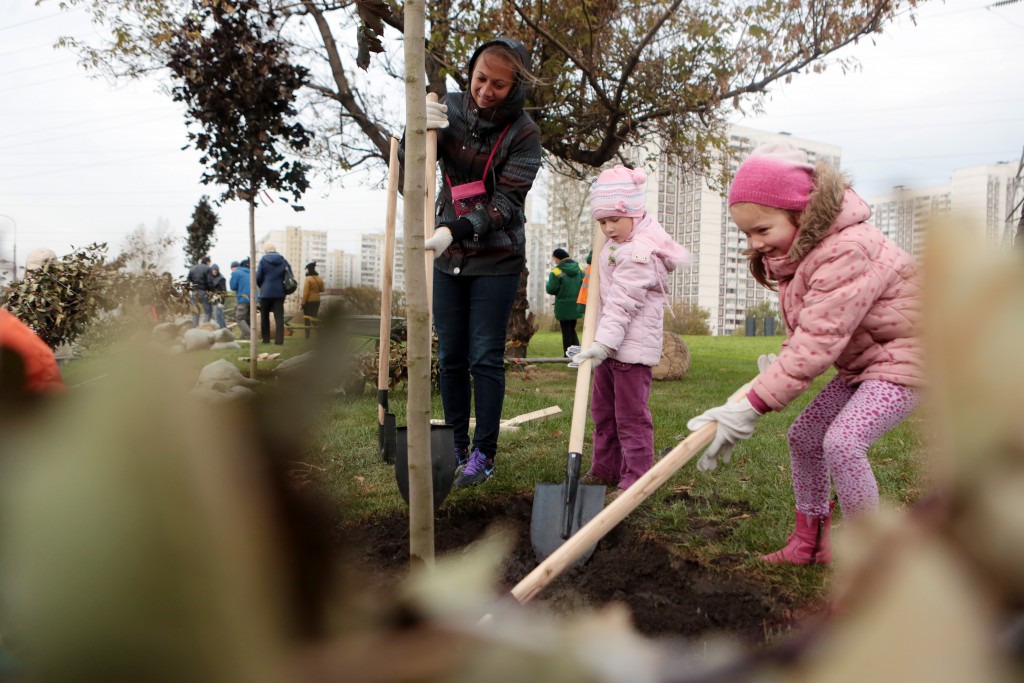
(477, 470)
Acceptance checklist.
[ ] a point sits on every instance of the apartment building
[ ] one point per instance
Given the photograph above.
(985, 197)
(903, 214)
(371, 257)
(342, 269)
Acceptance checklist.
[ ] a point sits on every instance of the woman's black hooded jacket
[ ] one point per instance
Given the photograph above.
(498, 245)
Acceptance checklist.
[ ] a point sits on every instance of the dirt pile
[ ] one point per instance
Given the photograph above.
(668, 594)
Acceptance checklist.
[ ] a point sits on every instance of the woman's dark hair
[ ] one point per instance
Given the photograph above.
(754, 261)
(311, 268)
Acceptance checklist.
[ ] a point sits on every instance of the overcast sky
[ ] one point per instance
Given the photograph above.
(83, 160)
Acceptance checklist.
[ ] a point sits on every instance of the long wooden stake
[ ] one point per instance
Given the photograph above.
(585, 371)
(428, 213)
(384, 352)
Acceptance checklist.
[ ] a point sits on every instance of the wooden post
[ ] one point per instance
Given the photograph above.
(384, 352)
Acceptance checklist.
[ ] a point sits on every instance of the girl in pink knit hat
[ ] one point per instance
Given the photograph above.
(633, 268)
(850, 299)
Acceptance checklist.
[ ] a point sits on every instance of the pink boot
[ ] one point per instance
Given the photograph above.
(809, 544)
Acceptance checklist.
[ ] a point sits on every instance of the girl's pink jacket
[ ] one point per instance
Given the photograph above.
(848, 297)
(632, 278)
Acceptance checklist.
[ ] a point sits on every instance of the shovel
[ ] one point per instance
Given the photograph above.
(442, 437)
(559, 510)
(385, 419)
(588, 536)
(442, 461)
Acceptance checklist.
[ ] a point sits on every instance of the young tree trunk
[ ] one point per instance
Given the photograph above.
(421, 493)
(521, 322)
(252, 287)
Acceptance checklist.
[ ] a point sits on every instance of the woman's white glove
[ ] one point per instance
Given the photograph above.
(441, 240)
(736, 422)
(596, 353)
(437, 115)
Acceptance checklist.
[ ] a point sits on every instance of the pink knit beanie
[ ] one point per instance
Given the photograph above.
(775, 174)
(619, 191)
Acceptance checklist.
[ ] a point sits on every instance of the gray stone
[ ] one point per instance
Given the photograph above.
(225, 335)
(165, 332)
(224, 373)
(199, 340)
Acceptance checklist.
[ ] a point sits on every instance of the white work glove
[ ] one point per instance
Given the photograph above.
(764, 361)
(596, 352)
(441, 240)
(437, 115)
(736, 422)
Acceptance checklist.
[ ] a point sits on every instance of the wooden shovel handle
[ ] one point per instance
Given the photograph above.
(430, 182)
(607, 519)
(384, 353)
(585, 371)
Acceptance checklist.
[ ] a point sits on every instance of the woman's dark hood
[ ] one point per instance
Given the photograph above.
(510, 109)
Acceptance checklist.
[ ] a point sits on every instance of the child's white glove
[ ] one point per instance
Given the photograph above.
(736, 422)
(596, 353)
(764, 361)
(437, 115)
(441, 240)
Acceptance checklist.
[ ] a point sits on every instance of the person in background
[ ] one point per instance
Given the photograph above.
(633, 269)
(27, 365)
(311, 289)
(270, 279)
(585, 287)
(159, 307)
(564, 282)
(850, 299)
(218, 285)
(38, 257)
(199, 282)
(239, 284)
(490, 153)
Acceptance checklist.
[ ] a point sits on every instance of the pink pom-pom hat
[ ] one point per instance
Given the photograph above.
(618, 191)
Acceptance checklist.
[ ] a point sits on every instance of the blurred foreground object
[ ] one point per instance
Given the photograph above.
(153, 538)
(27, 365)
(936, 594)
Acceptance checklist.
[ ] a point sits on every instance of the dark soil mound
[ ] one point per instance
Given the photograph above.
(668, 594)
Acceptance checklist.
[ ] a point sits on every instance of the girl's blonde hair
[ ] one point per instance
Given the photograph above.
(754, 261)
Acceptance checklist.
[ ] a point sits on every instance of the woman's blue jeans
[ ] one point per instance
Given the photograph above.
(471, 317)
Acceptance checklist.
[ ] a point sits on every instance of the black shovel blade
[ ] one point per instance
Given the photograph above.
(547, 533)
(387, 440)
(442, 461)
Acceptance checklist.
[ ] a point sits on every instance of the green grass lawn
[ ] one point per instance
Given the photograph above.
(725, 517)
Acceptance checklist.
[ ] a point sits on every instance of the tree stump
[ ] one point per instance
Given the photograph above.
(675, 358)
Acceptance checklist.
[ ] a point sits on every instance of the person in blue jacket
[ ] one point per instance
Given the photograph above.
(239, 284)
(270, 279)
